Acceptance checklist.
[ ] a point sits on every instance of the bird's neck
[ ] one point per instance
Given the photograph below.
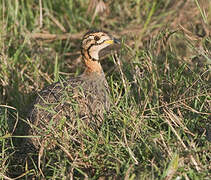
(92, 67)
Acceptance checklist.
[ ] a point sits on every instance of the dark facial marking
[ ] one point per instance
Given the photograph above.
(89, 53)
(96, 38)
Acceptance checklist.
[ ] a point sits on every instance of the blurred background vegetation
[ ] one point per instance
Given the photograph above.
(160, 126)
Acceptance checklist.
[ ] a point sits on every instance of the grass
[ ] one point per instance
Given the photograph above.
(159, 124)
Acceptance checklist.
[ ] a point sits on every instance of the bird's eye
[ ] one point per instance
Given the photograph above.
(96, 38)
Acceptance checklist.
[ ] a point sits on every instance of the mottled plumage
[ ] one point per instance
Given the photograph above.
(77, 103)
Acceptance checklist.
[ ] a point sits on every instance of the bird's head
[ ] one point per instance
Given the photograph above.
(96, 44)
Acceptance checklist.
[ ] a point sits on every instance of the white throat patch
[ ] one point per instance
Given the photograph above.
(95, 49)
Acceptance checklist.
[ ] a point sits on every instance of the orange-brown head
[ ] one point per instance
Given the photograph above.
(96, 44)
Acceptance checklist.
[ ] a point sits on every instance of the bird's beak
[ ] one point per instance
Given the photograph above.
(113, 44)
(112, 41)
(116, 41)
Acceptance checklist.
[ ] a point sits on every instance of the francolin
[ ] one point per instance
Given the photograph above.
(77, 103)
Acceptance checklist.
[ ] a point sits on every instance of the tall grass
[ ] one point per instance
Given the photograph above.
(159, 124)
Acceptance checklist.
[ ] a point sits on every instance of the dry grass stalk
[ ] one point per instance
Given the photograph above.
(171, 118)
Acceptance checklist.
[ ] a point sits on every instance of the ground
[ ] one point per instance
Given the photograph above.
(159, 126)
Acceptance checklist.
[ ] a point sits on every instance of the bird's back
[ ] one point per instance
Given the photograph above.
(76, 103)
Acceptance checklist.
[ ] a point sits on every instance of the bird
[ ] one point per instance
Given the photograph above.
(76, 103)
